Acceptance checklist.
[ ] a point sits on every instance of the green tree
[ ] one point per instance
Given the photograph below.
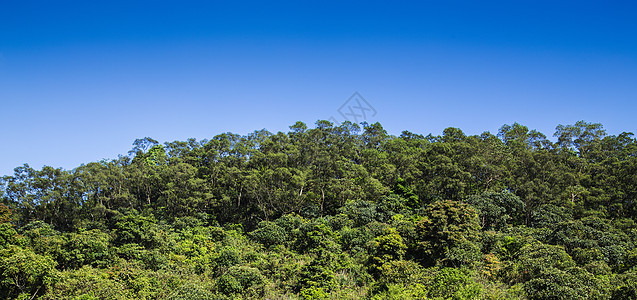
(446, 228)
(497, 210)
(24, 274)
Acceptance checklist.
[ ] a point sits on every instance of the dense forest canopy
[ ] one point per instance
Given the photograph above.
(342, 212)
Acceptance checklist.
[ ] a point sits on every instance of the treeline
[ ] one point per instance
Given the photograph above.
(340, 212)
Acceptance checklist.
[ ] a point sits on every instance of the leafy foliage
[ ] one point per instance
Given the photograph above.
(331, 212)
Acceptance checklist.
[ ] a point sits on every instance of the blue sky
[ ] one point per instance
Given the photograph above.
(80, 81)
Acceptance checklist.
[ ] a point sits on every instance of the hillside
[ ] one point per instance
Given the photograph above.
(338, 212)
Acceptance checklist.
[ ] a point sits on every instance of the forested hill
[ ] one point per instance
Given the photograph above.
(340, 212)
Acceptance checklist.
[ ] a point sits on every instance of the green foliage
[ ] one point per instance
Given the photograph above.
(331, 212)
(497, 210)
(386, 248)
(7, 234)
(5, 214)
(398, 272)
(451, 283)
(226, 257)
(547, 270)
(317, 237)
(139, 229)
(87, 247)
(24, 273)
(627, 287)
(548, 215)
(269, 234)
(241, 279)
(446, 231)
(361, 212)
(88, 283)
(401, 292)
(406, 192)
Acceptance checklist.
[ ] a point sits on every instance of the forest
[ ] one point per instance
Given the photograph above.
(331, 212)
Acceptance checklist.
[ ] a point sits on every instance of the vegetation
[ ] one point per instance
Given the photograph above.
(333, 212)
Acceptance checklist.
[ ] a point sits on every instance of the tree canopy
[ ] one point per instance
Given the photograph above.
(331, 212)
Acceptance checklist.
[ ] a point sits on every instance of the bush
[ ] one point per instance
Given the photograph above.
(241, 279)
(269, 234)
(24, 273)
(455, 284)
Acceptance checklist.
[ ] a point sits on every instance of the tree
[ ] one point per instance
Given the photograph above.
(387, 247)
(446, 228)
(497, 210)
(548, 272)
(579, 136)
(141, 145)
(5, 214)
(24, 274)
(343, 212)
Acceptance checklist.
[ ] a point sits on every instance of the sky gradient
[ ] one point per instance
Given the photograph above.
(80, 81)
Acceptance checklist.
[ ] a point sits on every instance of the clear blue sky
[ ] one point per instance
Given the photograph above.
(81, 80)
